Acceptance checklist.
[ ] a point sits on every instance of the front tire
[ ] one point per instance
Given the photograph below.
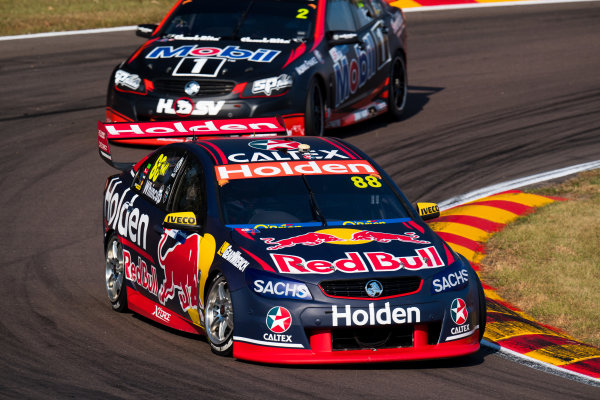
(218, 317)
(116, 287)
(398, 87)
(314, 117)
(482, 308)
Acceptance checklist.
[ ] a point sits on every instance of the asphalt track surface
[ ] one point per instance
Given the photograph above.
(496, 94)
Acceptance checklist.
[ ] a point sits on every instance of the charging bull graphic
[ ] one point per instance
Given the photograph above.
(180, 264)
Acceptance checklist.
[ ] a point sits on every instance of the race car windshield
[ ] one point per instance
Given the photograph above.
(243, 20)
(309, 198)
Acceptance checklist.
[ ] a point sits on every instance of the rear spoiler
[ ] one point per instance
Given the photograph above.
(172, 131)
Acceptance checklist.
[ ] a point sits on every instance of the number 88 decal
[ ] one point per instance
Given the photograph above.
(367, 181)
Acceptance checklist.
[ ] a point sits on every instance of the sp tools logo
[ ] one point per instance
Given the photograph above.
(458, 311)
(279, 319)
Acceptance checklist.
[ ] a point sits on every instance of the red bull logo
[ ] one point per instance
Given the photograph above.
(180, 264)
(140, 274)
(342, 236)
(425, 258)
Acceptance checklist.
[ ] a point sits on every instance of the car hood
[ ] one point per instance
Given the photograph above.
(324, 253)
(226, 59)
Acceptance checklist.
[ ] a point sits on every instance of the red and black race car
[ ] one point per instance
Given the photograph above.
(316, 63)
(282, 251)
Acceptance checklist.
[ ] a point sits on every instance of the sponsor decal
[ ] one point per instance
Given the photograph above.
(349, 316)
(425, 258)
(317, 54)
(306, 65)
(199, 66)
(274, 144)
(232, 53)
(177, 166)
(140, 274)
(183, 218)
(279, 319)
(265, 226)
(293, 168)
(125, 79)
(234, 257)
(336, 54)
(450, 280)
(265, 40)
(203, 38)
(270, 85)
(169, 128)
(370, 222)
(123, 217)
(159, 168)
(184, 107)
(152, 193)
(352, 74)
(288, 155)
(180, 265)
(342, 236)
(275, 288)
(161, 314)
(458, 311)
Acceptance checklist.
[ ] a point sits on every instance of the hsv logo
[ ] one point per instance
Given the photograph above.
(180, 264)
(458, 311)
(274, 144)
(279, 319)
(184, 107)
(341, 235)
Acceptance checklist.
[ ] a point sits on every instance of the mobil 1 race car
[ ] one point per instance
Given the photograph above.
(281, 251)
(316, 63)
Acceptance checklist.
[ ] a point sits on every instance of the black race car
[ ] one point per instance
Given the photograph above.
(316, 63)
(282, 251)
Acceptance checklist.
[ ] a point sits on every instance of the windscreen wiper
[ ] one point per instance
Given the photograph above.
(313, 203)
(238, 27)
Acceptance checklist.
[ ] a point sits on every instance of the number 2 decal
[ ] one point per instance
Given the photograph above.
(302, 13)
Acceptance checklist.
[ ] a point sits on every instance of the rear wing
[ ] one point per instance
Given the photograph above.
(160, 133)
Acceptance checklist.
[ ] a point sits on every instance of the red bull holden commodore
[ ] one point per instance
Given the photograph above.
(316, 63)
(281, 251)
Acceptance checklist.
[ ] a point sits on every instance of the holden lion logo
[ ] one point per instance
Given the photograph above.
(458, 311)
(192, 88)
(374, 288)
(279, 319)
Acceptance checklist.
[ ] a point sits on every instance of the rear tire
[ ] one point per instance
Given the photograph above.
(116, 286)
(218, 317)
(398, 87)
(314, 117)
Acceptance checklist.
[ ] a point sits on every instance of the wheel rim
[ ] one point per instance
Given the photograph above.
(114, 269)
(317, 110)
(399, 84)
(219, 313)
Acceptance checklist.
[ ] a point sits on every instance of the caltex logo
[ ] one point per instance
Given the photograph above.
(274, 144)
(458, 311)
(279, 319)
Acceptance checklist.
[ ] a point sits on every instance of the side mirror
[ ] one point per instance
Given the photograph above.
(428, 211)
(335, 38)
(145, 30)
(185, 221)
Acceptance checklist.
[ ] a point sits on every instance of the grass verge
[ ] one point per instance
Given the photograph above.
(21, 17)
(548, 263)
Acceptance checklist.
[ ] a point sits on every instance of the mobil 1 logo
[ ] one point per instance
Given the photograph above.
(199, 66)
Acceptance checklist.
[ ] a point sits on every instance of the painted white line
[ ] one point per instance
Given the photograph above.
(67, 33)
(517, 183)
(492, 4)
(408, 10)
(540, 365)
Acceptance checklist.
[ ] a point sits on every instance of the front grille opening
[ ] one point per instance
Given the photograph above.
(355, 288)
(372, 338)
(434, 329)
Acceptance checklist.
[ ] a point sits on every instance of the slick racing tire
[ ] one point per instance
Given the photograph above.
(482, 308)
(218, 317)
(398, 89)
(116, 286)
(314, 117)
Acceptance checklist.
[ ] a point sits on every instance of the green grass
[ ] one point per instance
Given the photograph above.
(21, 17)
(548, 263)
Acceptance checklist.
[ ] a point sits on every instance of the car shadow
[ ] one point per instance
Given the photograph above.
(418, 97)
